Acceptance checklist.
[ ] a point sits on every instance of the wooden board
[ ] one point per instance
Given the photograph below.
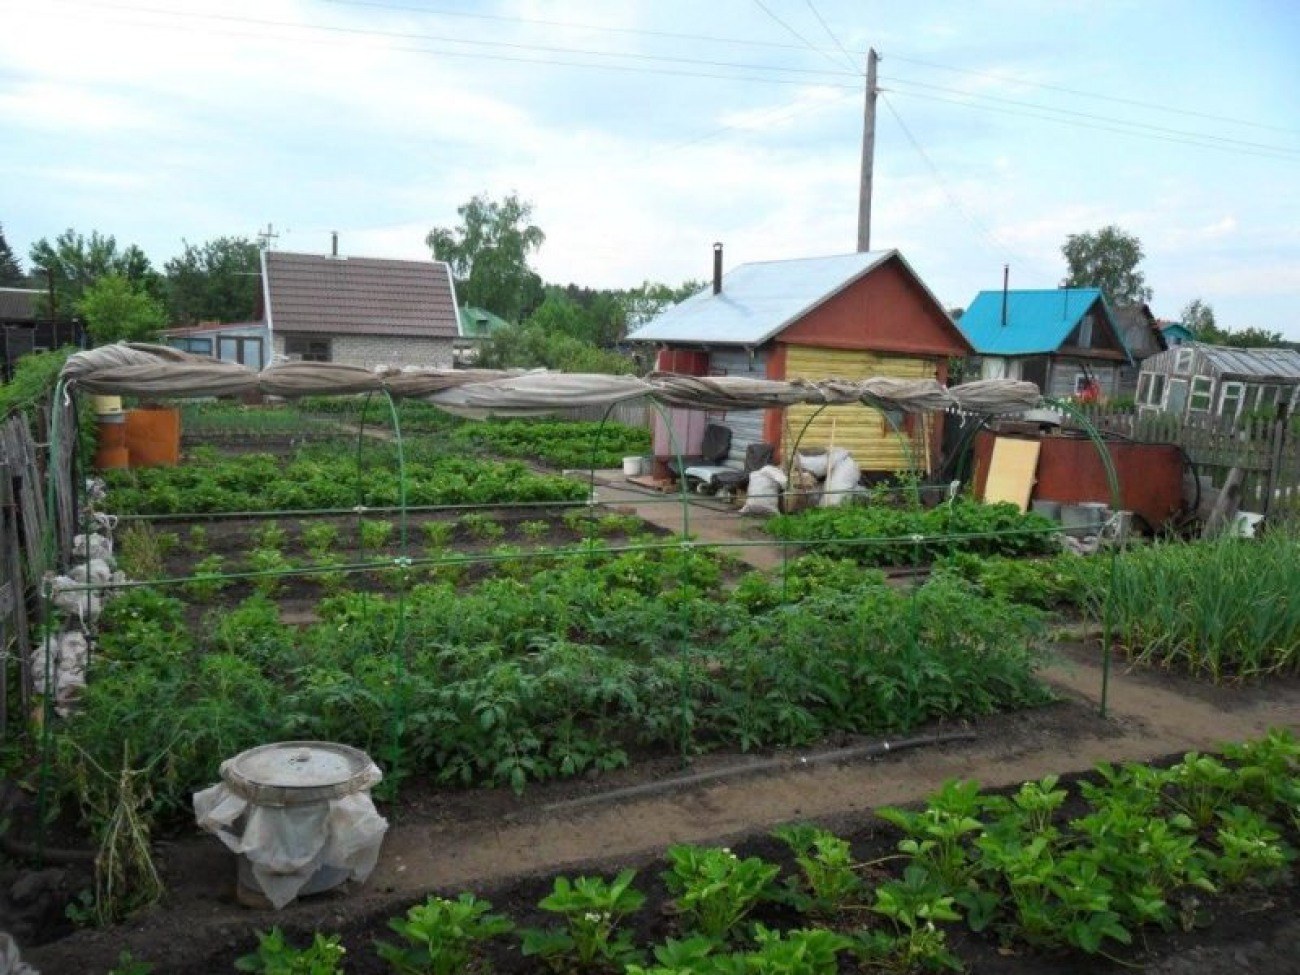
(1011, 471)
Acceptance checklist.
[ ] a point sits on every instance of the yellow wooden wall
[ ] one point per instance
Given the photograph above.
(862, 431)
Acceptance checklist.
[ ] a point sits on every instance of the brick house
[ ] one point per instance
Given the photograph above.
(358, 310)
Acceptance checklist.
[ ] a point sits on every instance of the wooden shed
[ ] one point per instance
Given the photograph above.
(1194, 379)
(850, 316)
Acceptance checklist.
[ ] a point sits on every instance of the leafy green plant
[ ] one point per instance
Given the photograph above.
(275, 956)
(534, 530)
(437, 533)
(1250, 845)
(443, 937)
(592, 910)
(936, 834)
(375, 534)
(713, 889)
(913, 905)
(319, 538)
(197, 539)
(828, 883)
(208, 582)
(268, 560)
(127, 965)
(270, 535)
(139, 553)
(481, 526)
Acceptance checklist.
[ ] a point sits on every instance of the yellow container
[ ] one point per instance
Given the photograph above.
(106, 404)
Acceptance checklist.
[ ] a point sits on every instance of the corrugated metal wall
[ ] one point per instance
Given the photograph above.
(746, 425)
(862, 431)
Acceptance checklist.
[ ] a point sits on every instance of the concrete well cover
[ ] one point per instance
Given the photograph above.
(290, 773)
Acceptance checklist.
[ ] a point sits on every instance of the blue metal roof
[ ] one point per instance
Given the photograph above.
(758, 300)
(1037, 321)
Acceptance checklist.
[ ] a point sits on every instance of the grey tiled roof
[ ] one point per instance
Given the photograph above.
(360, 296)
(18, 304)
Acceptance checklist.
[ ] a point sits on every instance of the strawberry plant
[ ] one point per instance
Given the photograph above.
(713, 889)
(592, 910)
(443, 937)
(828, 883)
(275, 956)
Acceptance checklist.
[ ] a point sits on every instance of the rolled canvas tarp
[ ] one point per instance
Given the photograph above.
(159, 371)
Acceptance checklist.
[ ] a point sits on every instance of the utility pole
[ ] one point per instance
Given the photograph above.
(868, 155)
(266, 236)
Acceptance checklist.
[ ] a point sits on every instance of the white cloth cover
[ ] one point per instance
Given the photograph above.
(11, 962)
(285, 846)
(842, 478)
(764, 494)
(99, 547)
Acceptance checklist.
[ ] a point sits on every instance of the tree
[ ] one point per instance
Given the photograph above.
(77, 262)
(115, 309)
(1107, 259)
(214, 281)
(1198, 318)
(11, 272)
(488, 254)
(530, 346)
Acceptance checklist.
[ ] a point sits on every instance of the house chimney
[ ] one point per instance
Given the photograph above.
(334, 250)
(717, 268)
(1006, 278)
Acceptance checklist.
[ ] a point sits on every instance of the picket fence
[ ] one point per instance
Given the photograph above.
(1267, 451)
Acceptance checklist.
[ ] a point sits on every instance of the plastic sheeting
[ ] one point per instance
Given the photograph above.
(287, 846)
(154, 370)
(11, 962)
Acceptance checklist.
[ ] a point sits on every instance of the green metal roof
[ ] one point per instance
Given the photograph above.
(479, 322)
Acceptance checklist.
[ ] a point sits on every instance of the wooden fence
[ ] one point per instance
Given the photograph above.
(30, 534)
(1266, 451)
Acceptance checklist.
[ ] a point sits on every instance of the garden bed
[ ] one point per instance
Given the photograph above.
(1216, 930)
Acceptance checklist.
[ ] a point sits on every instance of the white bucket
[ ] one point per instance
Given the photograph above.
(631, 466)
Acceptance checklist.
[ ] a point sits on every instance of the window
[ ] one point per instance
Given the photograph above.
(1085, 332)
(1153, 392)
(1230, 399)
(306, 348)
(1183, 362)
(246, 350)
(1202, 390)
(192, 345)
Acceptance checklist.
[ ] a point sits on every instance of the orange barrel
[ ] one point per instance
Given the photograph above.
(110, 442)
(153, 437)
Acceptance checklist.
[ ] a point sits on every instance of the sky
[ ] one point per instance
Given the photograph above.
(644, 130)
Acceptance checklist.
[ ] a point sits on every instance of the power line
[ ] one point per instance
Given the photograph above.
(806, 43)
(440, 38)
(1136, 132)
(568, 25)
(1099, 118)
(974, 221)
(1012, 79)
(831, 34)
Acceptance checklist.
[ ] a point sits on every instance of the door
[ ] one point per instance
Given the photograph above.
(1176, 398)
(746, 425)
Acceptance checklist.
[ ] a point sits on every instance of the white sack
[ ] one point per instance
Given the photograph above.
(100, 547)
(814, 464)
(97, 571)
(842, 481)
(67, 596)
(763, 497)
(285, 846)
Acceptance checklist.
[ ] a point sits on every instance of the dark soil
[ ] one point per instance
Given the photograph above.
(1246, 931)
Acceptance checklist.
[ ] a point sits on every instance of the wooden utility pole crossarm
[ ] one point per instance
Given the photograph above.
(868, 155)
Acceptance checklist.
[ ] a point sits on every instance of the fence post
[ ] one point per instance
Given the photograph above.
(1275, 458)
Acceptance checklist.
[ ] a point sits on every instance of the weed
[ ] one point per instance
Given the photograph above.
(139, 553)
(481, 526)
(270, 535)
(437, 533)
(197, 539)
(207, 582)
(534, 530)
(375, 534)
(320, 538)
